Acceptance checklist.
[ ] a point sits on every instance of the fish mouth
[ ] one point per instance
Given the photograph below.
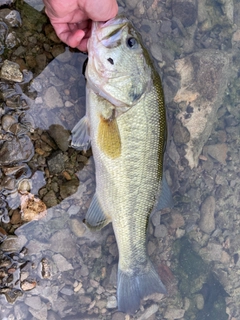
(109, 32)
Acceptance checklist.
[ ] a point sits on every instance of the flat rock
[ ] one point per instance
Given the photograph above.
(62, 242)
(34, 302)
(13, 243)
(62, 263)
(212, 252)
(217, 151)
(40, 314)
(53, 98)
(204, 77)
(149, 312)
(174, 313)
(19, 149)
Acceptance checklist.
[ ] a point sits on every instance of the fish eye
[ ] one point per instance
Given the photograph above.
(132, 42)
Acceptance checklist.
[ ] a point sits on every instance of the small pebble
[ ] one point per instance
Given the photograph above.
(78, 287)
(207, 220)
(199, 300)
(112, 302)
(28, 285)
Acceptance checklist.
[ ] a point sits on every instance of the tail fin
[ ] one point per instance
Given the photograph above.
(133, 287)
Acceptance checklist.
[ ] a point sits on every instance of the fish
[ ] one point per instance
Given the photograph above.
(125, 124)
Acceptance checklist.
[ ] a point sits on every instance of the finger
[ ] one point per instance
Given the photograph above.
(72, 38)
(99, 12)
(83, 45)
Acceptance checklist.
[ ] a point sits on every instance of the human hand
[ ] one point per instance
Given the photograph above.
(71, 19)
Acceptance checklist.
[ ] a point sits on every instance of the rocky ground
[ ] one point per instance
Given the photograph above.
(51, 266)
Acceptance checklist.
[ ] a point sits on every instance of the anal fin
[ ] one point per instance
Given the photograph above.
(80, 135)
(95, 217)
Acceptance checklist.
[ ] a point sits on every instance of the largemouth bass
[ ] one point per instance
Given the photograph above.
(125, 123)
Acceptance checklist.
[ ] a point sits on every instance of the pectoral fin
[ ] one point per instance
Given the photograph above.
(80, 135)
(108, 139)
(95, 217)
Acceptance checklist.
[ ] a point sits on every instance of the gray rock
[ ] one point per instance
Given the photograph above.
(177, 220)
(207, 220)
(68, 188)
(50, 199)
(217, 151)
(84, 270)
(40, 314)
(21, 311)
(185, 11)
(63, 243)
(14, 18)
(112, 302)
(204, 77)
(13, 243)
(213, 252)
(53, 315)
(156, 218)
(34, 302)
(60, 136)
(118, 316)
(10, 71)
(156, 51)
(166, 26)
(77, 227)
(151, 247)
(174, 313)
(149, 312)
(41, 61)
(11, 41)
(131, 4)
(53, 98)
(181, 134)
(7, 2)
(113, 249)
(113, 275)
(199, 300)
(67, 291)
(35, 247)
(73, 210)
(19, 149)
(160, 231)
(62, 263)
(172, 152)
(56, 163)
